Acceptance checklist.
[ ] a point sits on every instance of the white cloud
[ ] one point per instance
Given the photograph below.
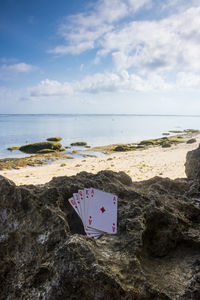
(169, 44)
(7, 71)
(48, 88)
(99, 83)
(18, 68)
(83, 31)
(165, 44)
(188, 81)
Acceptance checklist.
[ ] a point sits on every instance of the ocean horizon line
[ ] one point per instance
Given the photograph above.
(95, 114)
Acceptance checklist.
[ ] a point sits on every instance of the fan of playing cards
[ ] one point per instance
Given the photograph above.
(97, 210)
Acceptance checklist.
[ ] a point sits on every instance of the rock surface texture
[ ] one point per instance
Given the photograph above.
(192, 165)
(44, 253)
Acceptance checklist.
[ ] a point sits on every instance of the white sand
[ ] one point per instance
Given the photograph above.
(139, 165)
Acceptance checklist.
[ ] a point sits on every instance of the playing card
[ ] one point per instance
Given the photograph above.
(86, 196)
(78, 203)
(82, 207)
(74, 205)
(102, 211)
(97, 210)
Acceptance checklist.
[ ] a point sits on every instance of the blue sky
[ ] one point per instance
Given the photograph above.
(106, 56)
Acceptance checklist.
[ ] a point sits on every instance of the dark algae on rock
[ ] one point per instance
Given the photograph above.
(55, 139)
(79, 144)
(44, 253)
(36, 147)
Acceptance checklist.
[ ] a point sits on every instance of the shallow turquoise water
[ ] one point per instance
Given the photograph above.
(94, 129)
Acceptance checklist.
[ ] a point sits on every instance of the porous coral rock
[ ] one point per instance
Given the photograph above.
(44, 253)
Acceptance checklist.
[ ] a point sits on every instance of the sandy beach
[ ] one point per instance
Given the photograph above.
(139, 165)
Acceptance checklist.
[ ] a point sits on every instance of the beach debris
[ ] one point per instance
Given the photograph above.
(55, 139)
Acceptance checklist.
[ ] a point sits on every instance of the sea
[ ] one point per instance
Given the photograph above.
(95, 129)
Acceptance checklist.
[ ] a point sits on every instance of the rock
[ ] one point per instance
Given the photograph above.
(193, 131)
(36, 147)
(192, 165)
(142, 147)
(13, 148)
(147, 142)
(155, 254)
(45, 151)
(79, 144)
(166, 145)
(63, 165)
(121, 148)
(191, 141)
(55, 139)
(176, 131)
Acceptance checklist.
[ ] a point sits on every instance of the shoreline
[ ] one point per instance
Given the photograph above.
(140, 165)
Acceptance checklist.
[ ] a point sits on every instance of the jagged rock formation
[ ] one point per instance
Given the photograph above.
(44, 253)
(192, 165)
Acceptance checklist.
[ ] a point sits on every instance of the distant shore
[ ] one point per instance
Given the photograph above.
(139, 165)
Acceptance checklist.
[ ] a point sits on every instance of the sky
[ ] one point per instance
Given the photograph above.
(104, 56)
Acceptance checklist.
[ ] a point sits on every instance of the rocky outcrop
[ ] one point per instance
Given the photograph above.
(44, 253)
(54, 139)
(79, 144)
(37, 147)
(192, 165)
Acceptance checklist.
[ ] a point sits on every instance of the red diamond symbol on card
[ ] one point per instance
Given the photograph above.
(103, 209)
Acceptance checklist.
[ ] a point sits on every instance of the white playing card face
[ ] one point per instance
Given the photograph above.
(73, 204)
(97, 210)
(86, 195)
(102, 211)
(82, 207)
(76, 199)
